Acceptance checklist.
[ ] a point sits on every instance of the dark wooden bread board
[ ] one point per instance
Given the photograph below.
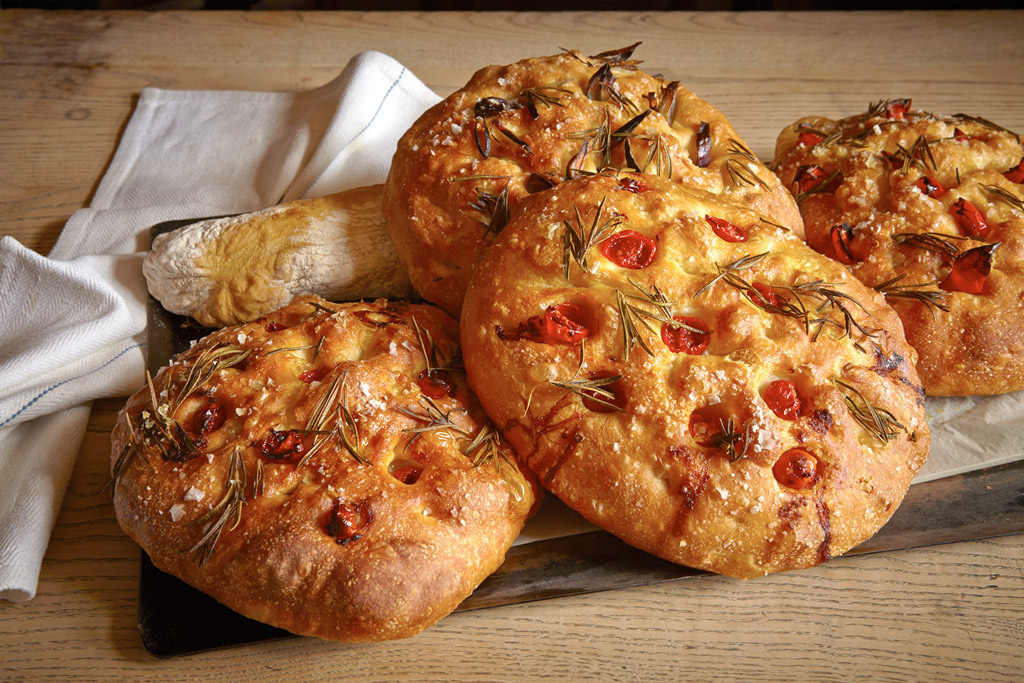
(176, 619)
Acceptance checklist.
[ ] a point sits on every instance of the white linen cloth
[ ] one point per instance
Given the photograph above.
(74, 322)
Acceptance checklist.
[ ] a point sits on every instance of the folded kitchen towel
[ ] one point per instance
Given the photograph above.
(74, 322)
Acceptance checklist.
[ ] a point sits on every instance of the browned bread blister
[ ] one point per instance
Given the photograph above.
(930, 210)
(464, 167)
(324, 469)
(690, 376)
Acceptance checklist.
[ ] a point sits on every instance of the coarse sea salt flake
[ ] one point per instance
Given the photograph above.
(195, 494)
(177, 510)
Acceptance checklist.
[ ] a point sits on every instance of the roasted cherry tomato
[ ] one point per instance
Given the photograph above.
(729, 232)
(347, 522)
(278, 445)
(897, 109)
(796, 469)
(1016, 174)
(782, 398)
(765, 296)
(273, 327)
(961, 136)
(930, 186)
(565, 323)
(632, 185)
(692, 336)
(841, 235)
(314, 375)
(433, 385)
(809, 139)
(629, 249)
(809, 177)
(970, 270)
(970, 220)
(209, 418)
(705, 425)
(408, 474)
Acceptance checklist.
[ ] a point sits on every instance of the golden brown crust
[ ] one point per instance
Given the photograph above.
(644, 473)
(977, 346)
(440, 226)
(324, 544)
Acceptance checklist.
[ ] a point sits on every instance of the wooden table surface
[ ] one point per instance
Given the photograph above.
(68, 82)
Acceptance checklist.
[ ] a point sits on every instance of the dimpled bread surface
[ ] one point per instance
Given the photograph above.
(293, 469)
(465, 166)
(685, 464)
(896, 180)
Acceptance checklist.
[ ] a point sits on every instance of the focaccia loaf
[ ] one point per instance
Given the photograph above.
(692, 377)
(463, 168)
(226, 271)
(323, 469)
(930, 210)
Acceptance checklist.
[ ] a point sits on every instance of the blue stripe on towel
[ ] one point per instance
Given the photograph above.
(63, 382)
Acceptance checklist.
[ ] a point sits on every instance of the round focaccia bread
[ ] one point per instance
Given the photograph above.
(463, 168)
(692, 378)
(929, 210)
(323, 469)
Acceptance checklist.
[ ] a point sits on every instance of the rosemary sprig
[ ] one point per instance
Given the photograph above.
(209, 362)
(131, 452)
(1005, 195)
(433, 417)
(347, 423)
(257, 480)
(597, 139)
(658, 154)
(774, 224)
(878, 422)
(742, 175)
(919, 154)
(988, 124)
(728, 439)
(485, 447)
(932, 298)
(592, 389)
(289, 348)
(320, 307)
(831, 298)
(431, 356)
(577, 240)
(731, 268)
(737, 148)
(495, 207)
(629, 316)
(937, 242)
(541, 94)
(632, 315)
(229, 506)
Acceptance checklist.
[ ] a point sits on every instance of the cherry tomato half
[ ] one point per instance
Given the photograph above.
(629, 249)
(729, 232)
(796, 469)
(782, 398)
(692, 337)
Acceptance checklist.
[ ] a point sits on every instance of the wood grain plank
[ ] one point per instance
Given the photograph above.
(950, 613)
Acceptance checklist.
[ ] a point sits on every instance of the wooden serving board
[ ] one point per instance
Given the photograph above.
(176, 619)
